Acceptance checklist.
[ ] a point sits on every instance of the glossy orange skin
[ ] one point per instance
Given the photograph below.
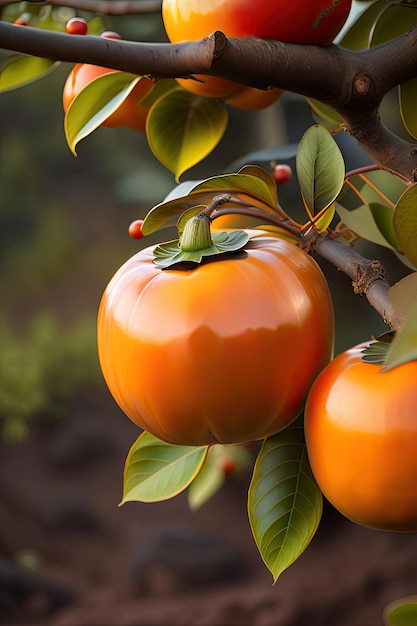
(225, 352)
(130, 113)
(361, 435)
(251, 99)
(189, 20)
(285, 20)
(209, 86)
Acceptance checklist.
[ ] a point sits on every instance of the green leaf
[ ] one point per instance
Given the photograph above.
(407, 94)
(379, 23)
(208, 481)
(161, 89)
(392, 22)
(405, 261)
(320, 170)
(405, 223)
(95, 103)
(329, 115)
(412, 4)
(358, 36)
(362, 222)
(156, 471)
(323, 219)
(376, 352)
(212, 475)
(276, 153)
(263, 175)
(284, 503)
(247, 186)
(404, 345)
(385, 183)
(401, 612)
(383, 215)
(19, 70)
(182, 129)
(403, 294)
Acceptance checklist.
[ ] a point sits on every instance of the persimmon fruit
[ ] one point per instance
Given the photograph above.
(223, 353)
(251, 99)
(361, 436)
(294, 21)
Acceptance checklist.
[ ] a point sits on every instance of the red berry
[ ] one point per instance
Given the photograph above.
(20, 22)
(110, 34)
(282, 174)
(135, 229)
(228, 465)
(76, 26)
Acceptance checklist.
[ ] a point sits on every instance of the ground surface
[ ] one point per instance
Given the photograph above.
(85, 558)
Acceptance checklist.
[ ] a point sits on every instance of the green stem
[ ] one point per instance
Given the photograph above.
(196, 234)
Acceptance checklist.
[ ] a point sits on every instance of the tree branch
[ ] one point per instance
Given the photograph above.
(311, 71)
(369, 277)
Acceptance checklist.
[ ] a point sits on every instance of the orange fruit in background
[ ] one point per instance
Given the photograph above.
(296, 21)
(209, 86)
(361, 436)
(252, 99)
(130, 113)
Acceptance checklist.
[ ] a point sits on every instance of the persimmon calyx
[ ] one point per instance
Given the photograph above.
(196, 241)
(196, 234)
(377, 350)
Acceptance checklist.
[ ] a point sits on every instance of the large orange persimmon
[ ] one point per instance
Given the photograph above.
(130, 113)
(361, 435)
(223, 353)
(296, 21)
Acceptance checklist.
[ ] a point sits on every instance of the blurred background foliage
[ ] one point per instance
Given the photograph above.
(63, 230)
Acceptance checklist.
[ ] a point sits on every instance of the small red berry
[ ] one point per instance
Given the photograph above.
(282, 174)
(20, 22)
(110, 34)
(228, 465)
(76, 26)
(135, 229)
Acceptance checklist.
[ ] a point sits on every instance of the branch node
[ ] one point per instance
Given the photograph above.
(309, 239)
(362, 85)
(366, 274)
(219, 40)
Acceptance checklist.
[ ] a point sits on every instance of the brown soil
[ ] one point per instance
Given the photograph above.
(58, 513)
